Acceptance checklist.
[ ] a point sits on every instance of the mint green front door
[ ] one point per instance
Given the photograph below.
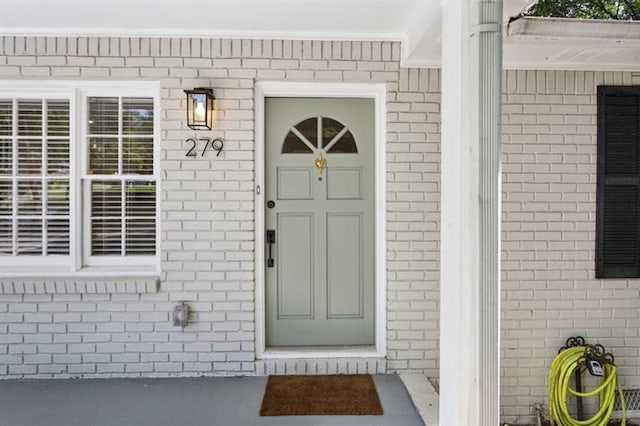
(319, 217)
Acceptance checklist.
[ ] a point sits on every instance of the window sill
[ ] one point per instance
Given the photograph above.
(91, 280)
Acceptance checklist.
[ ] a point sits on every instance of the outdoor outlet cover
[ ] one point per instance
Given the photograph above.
(181, 315)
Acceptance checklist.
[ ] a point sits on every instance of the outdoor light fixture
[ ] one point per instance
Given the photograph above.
(181, 315)
(200, 108)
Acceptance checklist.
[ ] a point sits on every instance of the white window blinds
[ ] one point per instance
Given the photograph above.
(34, 177)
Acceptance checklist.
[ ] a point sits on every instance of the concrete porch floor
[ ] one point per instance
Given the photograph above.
(211, 401)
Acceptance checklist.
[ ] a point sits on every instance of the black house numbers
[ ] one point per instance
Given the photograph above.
(202, 145)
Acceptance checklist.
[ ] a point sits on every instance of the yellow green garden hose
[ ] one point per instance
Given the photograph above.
(562, 369)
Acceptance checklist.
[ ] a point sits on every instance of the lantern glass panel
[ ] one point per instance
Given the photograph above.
(199, 110)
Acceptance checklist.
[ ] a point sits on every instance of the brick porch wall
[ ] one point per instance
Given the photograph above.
(549, 290)
(109, 328)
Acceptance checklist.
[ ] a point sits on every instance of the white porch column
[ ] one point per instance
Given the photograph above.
(470, 214)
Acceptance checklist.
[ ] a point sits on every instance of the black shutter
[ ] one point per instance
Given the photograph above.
(618, 186)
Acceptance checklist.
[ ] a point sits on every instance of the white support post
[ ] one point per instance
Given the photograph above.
(470, 214)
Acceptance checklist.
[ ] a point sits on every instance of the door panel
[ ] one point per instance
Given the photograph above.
(344, 183)
(344, 266)
(294, 184)
(295, 265)
(319, 189)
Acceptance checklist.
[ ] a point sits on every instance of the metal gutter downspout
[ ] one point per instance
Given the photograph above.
(487, 34)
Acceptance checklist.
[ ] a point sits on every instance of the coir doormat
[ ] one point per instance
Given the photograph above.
(321, 395)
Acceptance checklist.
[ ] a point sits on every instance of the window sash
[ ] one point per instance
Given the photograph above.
(118, 240)
(32, 121)
(122, 214)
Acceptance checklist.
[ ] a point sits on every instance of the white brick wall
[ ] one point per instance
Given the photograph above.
(98, 328)
(549, 290)
(413, 214)
(101, 329)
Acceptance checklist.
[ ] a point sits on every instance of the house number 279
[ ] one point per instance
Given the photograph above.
(209, 144)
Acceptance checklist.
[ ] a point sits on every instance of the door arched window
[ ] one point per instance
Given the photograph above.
(319, 134)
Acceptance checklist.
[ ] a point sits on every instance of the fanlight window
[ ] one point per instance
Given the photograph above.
(319, 134)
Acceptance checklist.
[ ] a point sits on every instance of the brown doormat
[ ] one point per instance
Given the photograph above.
(321, 395)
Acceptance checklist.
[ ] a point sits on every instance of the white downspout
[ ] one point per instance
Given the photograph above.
(488, 32)
(470, 231)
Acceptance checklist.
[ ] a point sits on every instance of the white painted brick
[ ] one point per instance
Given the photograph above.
(23, 60)
(571, 304)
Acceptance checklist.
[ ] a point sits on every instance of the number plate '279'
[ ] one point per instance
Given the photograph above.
(209, 144)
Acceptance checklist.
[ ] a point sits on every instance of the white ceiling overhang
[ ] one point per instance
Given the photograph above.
(528, 43)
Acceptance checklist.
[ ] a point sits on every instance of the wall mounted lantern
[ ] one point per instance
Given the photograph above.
(200, 108)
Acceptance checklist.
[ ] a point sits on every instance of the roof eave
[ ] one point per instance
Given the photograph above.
(563, 29)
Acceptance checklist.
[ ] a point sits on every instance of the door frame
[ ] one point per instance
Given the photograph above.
(377, 92)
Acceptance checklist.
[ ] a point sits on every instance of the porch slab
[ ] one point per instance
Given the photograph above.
(209, 401)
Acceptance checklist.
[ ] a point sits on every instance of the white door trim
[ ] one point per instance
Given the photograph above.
(377, 92)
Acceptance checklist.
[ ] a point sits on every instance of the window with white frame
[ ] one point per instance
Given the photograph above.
(78, 179)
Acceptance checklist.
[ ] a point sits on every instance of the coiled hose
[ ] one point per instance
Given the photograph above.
(562, 368)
